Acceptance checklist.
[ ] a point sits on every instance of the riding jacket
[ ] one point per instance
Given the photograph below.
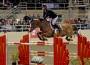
(49, 14)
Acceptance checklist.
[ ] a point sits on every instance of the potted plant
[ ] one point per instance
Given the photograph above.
(86, 61)
(76, 61)
(14, 57)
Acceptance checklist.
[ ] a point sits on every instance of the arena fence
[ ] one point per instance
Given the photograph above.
(60, 5)
(22, 28)
(3, 50)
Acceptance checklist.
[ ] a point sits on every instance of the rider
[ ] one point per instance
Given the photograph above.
(49, 14)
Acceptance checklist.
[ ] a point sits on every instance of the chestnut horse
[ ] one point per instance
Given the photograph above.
(47, 31)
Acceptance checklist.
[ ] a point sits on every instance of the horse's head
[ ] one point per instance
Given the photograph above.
(34, 24)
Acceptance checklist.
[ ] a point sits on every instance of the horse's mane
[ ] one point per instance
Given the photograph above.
(40, 22)
(41, 19)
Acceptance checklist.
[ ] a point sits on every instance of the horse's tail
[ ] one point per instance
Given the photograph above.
(75, 29)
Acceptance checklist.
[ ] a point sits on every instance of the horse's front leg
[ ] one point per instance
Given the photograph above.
(39, 35)
(44, 35)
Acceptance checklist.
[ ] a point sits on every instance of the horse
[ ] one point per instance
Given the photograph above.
(75, 28)
(47, 31)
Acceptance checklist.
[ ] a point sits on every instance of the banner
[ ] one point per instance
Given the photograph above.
(51, 5)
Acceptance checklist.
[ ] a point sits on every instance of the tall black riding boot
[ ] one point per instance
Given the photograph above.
(57, 27)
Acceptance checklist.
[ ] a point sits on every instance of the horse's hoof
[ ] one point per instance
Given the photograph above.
(45, 39)
(41, 39)
(68, 39)
(32, 61)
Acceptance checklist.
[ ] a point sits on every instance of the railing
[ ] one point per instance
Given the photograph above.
(23, 5)
(14, 28)
(7, 8)
(21, 28)
(82, 2)
(10, 11)
(26, 5)
(34, 6)
(83, 26)
(53, 5)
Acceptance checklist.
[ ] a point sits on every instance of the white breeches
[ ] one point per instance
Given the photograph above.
(53, 21)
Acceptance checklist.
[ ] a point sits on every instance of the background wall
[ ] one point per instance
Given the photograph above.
(64, 13)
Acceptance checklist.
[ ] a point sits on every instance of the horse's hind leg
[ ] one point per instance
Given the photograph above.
(68, 39)
(44, 35)
(44, 38)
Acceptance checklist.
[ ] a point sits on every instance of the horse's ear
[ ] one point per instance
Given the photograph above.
(31, 19)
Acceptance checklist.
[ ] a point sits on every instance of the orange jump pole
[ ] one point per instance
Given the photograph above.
(3, 51)
(59, 51)
(24, 51)
(55, 51)
(79, 44)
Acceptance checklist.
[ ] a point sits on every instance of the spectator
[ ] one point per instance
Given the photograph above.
(58, 1)
(48, 1)
(79, 20)
(26, 18)
(33, 1)
(30, 18)
(18, 28)
(39, 1)
(29, 15)
(84, 19)
(34, 17)
(76, 21)
(38, 16)
(19, 23)
(8, 26)
(14, 22)
(43, 1)
(3, 21)
(0, 25)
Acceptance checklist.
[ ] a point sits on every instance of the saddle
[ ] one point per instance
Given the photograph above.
(54, 27)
